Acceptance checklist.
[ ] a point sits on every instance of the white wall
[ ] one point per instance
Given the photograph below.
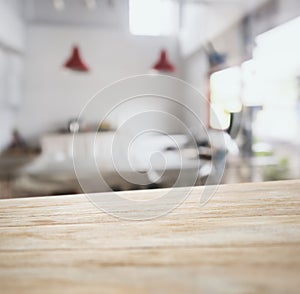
(203, 22)
(11, 25)
(11, 49)
(53, 95)
(195, 73)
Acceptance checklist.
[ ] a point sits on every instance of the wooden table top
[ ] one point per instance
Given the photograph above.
(246, 239)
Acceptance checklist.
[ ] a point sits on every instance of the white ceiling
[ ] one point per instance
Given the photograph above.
(113, 13)
(201, 19)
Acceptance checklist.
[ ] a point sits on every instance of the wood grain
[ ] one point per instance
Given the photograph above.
(246, 239)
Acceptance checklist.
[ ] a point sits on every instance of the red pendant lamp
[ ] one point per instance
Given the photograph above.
(163, 64)
(75, 62)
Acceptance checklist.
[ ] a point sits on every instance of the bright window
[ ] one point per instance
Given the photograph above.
(153, 17)
(225, 96)
(277, 66)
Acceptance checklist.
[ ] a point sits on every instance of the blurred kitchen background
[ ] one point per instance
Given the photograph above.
(56, 54)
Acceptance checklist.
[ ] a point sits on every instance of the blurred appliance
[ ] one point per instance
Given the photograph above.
(104, 164)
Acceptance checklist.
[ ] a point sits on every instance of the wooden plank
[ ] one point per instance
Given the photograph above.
(246, 239)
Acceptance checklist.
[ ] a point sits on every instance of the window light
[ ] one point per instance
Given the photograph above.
(153, 17)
